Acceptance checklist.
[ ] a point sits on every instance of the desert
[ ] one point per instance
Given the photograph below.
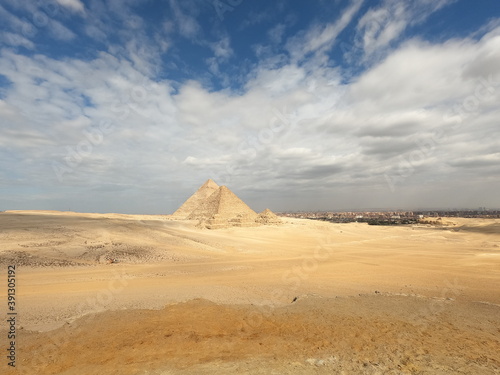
(154, 294)
(201, 187)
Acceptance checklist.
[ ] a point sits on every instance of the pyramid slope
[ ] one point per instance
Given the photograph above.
(223, 203)
(195, 200)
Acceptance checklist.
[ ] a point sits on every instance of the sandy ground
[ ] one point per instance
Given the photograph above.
(306, 297)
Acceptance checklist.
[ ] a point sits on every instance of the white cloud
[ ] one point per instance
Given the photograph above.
(50, 92)
(380, 26)
(222, 48)
(276, 33)
(20, 26)
(16, 40)
(278, 81)
(422, 75)
(186, 25)
(73, 5)
(321, 37)
(59, 31)
(485, 62)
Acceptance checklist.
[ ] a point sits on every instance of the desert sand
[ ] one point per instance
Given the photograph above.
(304, 297)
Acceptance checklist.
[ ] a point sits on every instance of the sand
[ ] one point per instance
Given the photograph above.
(304, 297)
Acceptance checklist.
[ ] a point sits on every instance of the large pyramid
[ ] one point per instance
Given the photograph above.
(218, 207)
(222, 202)
(206, 190)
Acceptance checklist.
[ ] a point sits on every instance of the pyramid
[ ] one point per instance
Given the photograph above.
(205, 191)
(268, 217)
(217, 206)
(223, 206)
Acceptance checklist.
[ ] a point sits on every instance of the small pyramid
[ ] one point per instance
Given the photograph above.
(205, 191)
(223, 206)
(268, 217)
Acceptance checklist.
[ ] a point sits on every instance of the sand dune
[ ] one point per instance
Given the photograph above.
(304, 297)
(486, 228)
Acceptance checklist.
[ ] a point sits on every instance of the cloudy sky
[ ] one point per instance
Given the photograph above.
(130, 105)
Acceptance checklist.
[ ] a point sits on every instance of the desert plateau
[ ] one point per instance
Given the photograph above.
(151, 294)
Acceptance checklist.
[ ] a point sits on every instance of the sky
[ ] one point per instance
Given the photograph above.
(130, 105)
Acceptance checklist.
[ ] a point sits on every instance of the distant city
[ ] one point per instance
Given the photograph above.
(391, 217)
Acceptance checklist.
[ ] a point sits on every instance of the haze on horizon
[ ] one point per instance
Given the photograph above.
(129, 106)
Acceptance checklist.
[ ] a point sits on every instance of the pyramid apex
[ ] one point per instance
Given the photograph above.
(210, 182)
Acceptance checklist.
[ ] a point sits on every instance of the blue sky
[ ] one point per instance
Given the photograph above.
(129, 106)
